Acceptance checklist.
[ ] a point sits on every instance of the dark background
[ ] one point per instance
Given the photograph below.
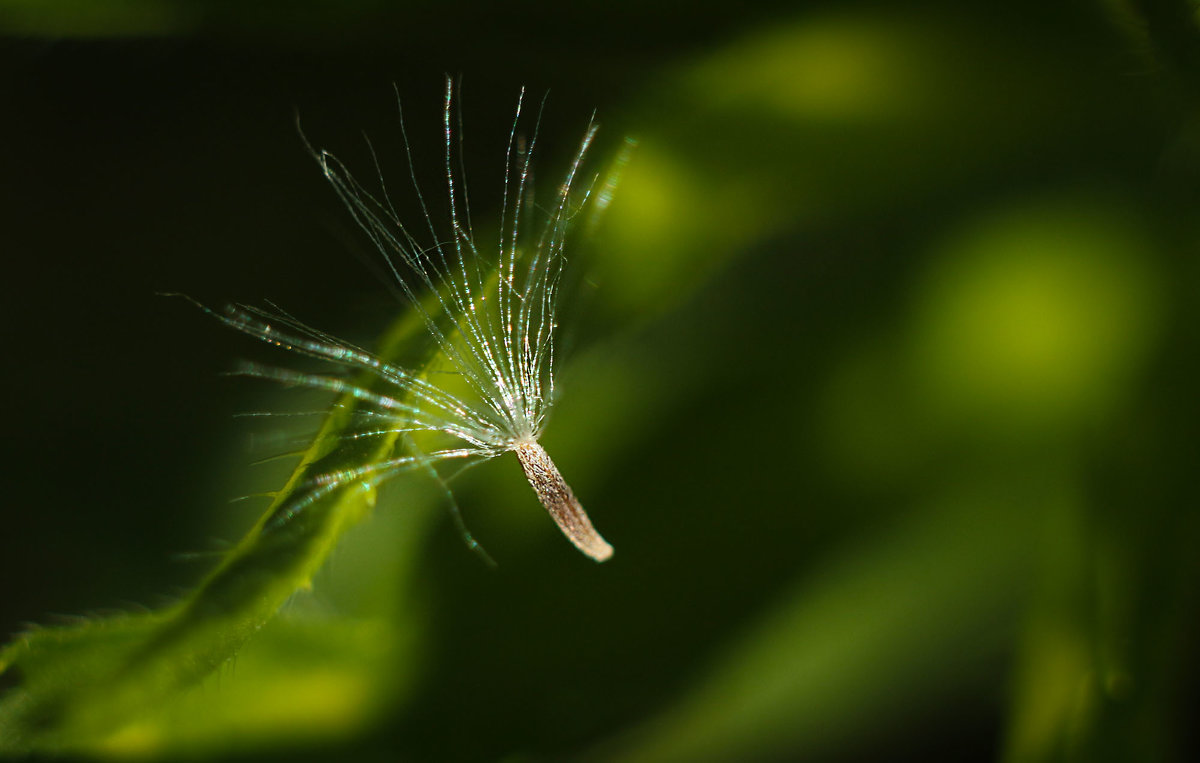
(884, 390)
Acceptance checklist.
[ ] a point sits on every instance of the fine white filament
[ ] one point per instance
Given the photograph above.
(490, 310)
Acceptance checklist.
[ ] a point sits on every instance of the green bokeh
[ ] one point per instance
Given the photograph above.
(881, 377)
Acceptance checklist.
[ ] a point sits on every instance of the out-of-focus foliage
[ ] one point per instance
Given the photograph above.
(882, 377)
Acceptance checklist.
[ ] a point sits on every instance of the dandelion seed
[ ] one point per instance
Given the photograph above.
(491, 312)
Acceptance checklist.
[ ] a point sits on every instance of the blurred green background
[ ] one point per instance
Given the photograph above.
(882, 382)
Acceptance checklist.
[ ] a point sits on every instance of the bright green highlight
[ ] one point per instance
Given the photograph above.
(1037, 316)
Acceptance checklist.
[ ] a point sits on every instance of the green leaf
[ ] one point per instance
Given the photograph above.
(78, 687)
